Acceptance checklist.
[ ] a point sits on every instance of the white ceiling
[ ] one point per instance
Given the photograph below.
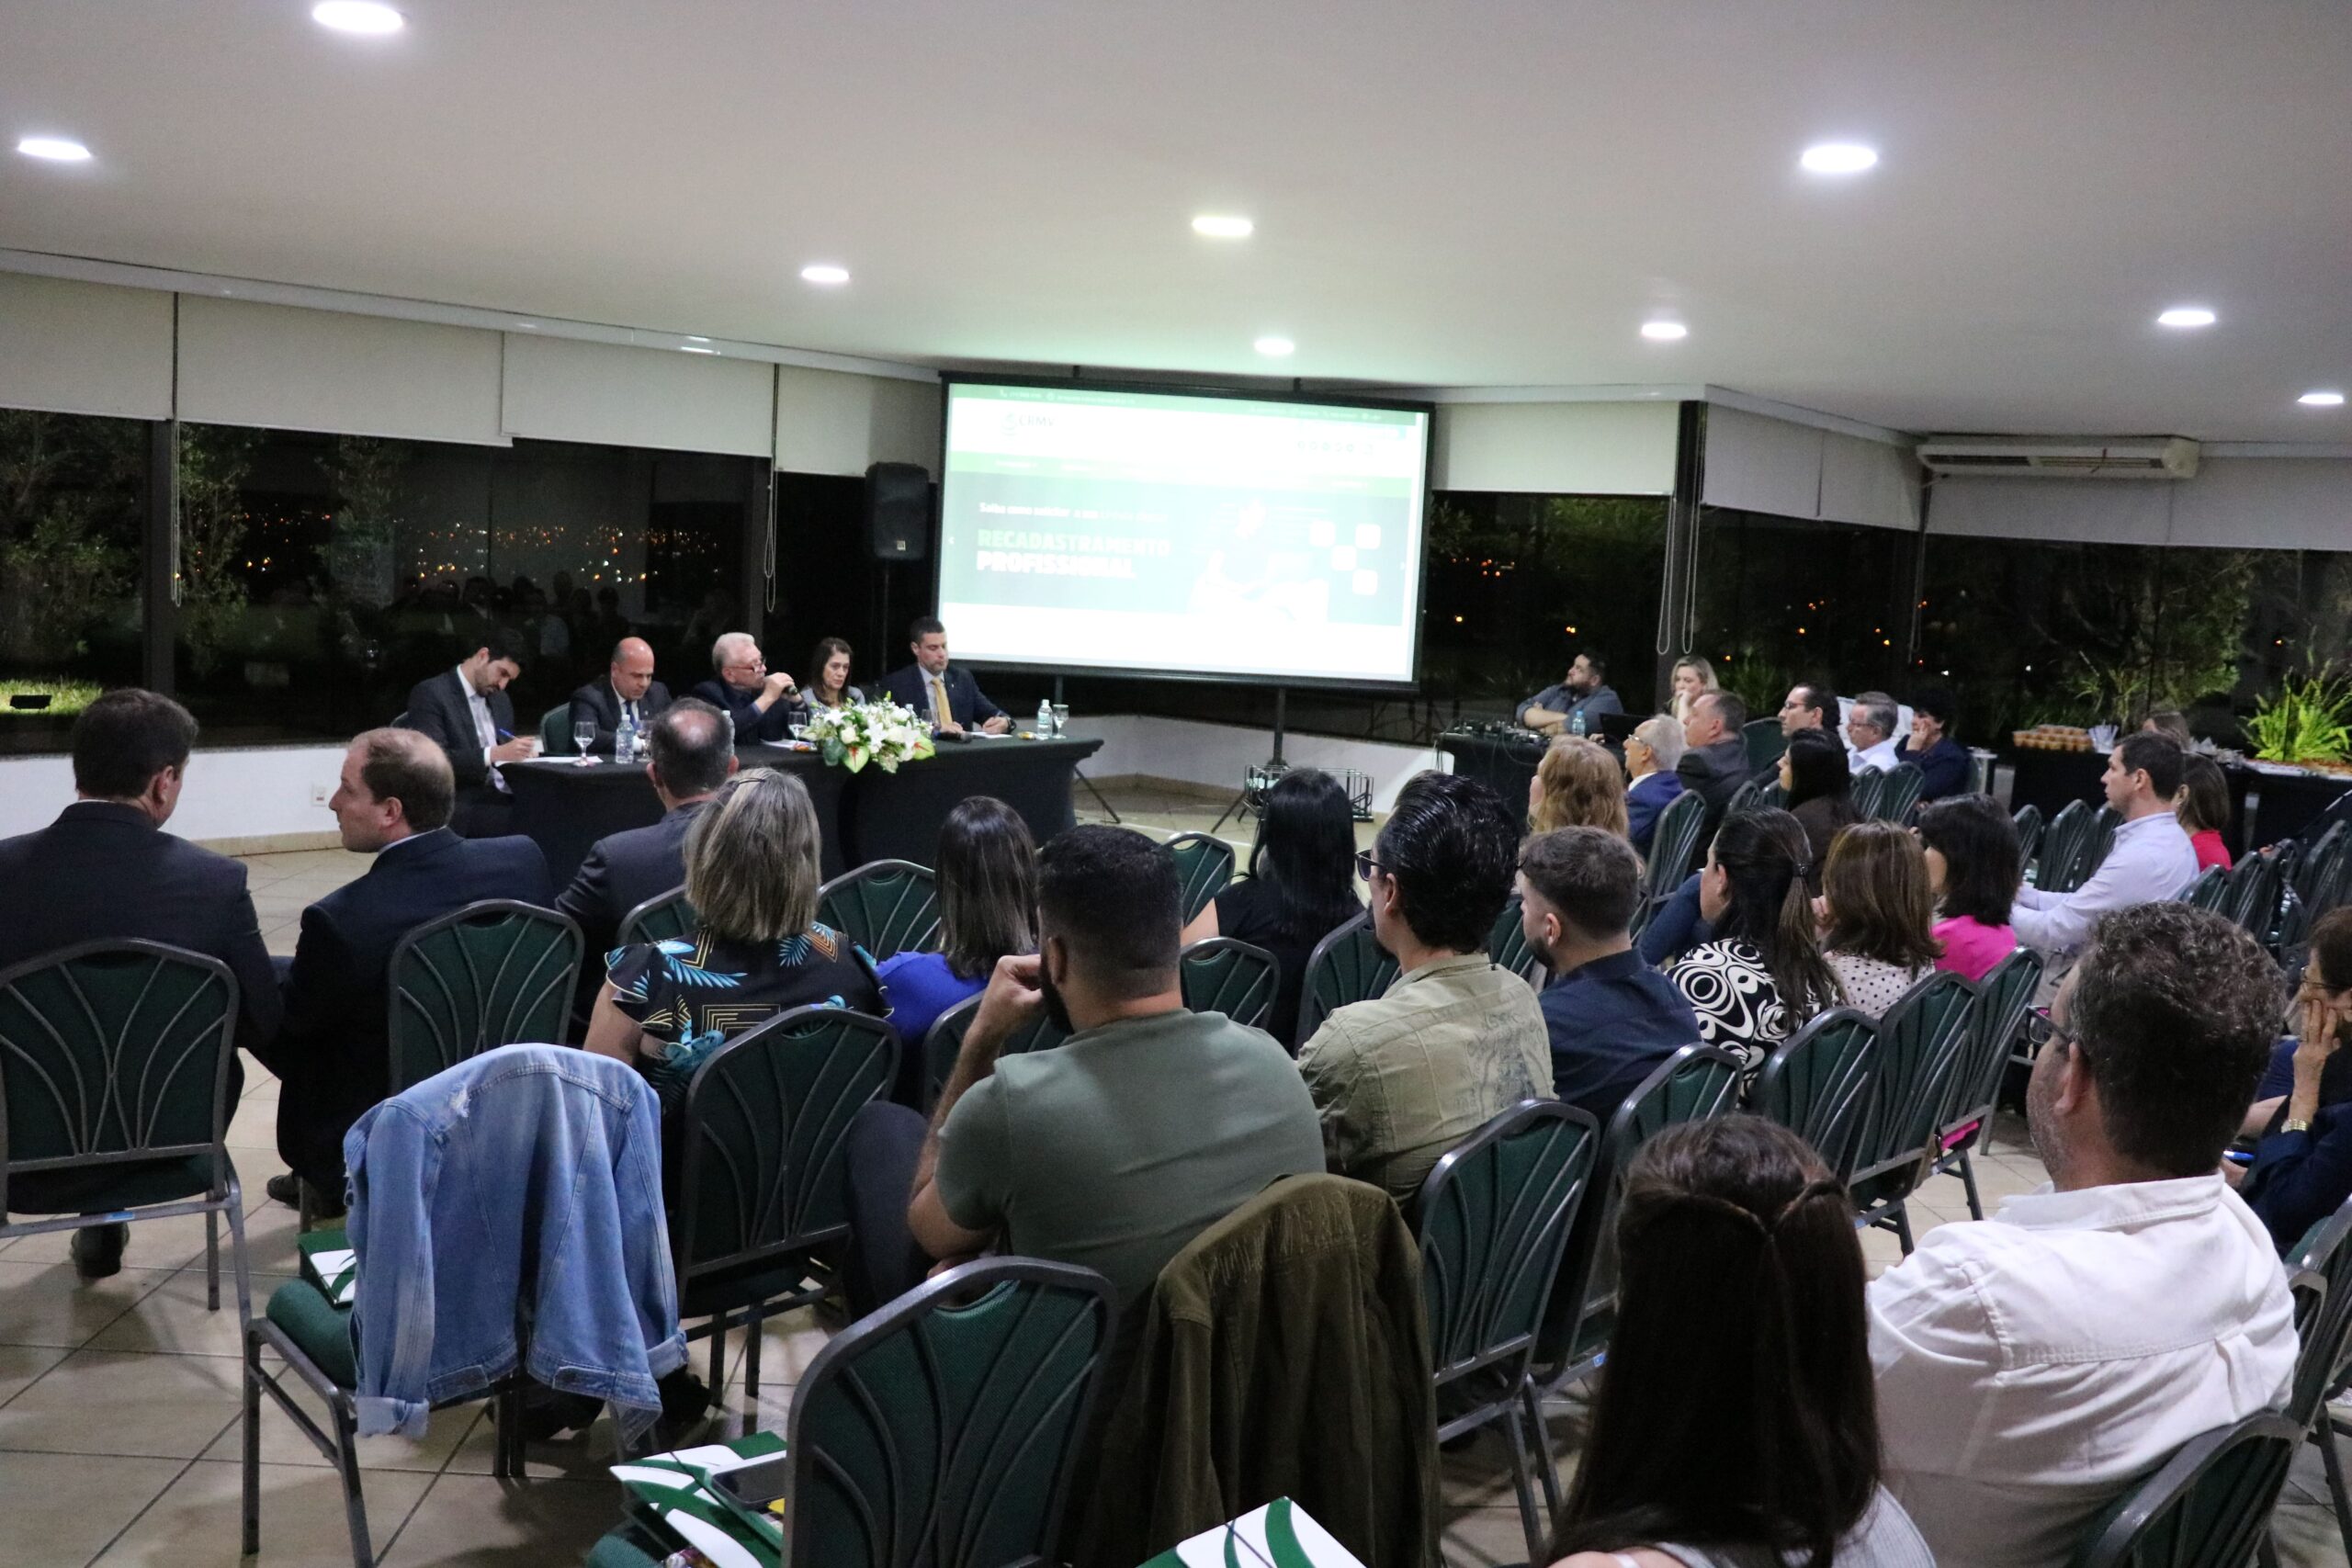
(1491, 193)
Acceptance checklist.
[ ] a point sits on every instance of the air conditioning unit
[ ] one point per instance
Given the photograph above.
(2084, 458)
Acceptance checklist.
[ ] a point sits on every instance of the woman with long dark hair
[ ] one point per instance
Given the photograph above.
(1729, 1439)
(1970, 846)
(1876, 914)
(1761, 975)
(1818, 785)
(1301, 886)
(2203, 808)
(988, 908)
(827, 684)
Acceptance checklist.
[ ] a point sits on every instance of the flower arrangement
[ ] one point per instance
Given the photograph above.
(883, 733)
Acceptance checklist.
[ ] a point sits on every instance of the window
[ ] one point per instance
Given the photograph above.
(72, 510)
(1783, 601)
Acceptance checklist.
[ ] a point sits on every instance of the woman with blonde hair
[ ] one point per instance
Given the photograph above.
(1693, 677)
(1578, 784)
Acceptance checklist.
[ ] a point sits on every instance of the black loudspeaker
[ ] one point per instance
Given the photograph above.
(898, 511)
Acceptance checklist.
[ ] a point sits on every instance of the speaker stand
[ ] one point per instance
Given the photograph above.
(1108, 810)
(1273, 767)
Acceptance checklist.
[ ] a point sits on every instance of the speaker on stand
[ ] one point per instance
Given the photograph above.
(898, 529)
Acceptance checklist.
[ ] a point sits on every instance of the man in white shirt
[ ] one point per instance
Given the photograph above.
(2033, 1366)
(2150, 860)
(1870, 729)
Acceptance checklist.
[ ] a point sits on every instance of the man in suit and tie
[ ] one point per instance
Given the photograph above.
(627, 690)
(468, 714)
(393, 801)
(106, 871)
(762, 705)
(949, 697)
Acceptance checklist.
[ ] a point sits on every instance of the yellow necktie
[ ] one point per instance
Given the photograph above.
(941, 715)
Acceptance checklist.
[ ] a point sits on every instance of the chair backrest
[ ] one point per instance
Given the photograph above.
(1867, 789)
(1674, 844)
(940, 1431)
(494, 973)
(764, 1170)
(2028, 821)
(2207, 1506)
(1507, 946)
(1223, 974)
(2322, 1270)
(2251, 898)
(112, 1052)
(945, 1039)
(1346, 966)
(2058, 868)
(1764, 742)
(1493, 1219)
(1204, 865)
(1922, 1042)
(1819, 1084)
(2320, 877)
(1744, 797)
(2208, 890)
(2104, 822)
(1899, 792)
(665, 916)
(2002, 998)
(887, 907)
(555, 731)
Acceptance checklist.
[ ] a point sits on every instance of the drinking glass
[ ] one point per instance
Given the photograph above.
(799, 731)
(583, 735)
(1061, 719)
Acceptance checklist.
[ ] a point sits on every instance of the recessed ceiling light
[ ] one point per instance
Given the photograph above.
(824, 272)
(690, 348)
(1274, 348)
(2185, 316)
(357, 17)
(56, 149)
(2322, 399)
(1223, 228)
(691, 338)
(1665, 331)
(1839, 158)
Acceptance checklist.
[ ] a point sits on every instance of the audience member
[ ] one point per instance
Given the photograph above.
(1760, 974)
(1875, 915)
(1808, 707)
(2034, 1365)
(1117, 1147)
(1301, 886)
(392, 801)
(761, 705)
(2303, 1112)
(1651, 753)
(828, 684)
(1870, 727)
(1403, 1077)
(1817, 789)
(1715, 760)
(629, 691)
(2150, 860)
(1970, 846)
(1693, 677)
(1577, 784)
(468, 714)
(689, 757)
(2203, 808)
(1944, 764)
(945, 693)
(988, 908)
(106, 871)
(1575, 706)
(2170, 723)
(1612, 1019)
(1741, 1437)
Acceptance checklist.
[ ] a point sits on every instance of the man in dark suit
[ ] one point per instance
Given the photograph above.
(950, 698)
(627, 690)
(761, 703)
(1714, 759)
(393, 801)
(106, 871)
(468, 714)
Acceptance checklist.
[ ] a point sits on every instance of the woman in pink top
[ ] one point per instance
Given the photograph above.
(2203, 808)
(1973, 870)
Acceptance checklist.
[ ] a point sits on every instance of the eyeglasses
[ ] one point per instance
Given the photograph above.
(2041, 1030)
(1365, 865)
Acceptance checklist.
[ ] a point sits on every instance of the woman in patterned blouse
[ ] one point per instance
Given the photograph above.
(1762, 974)
(1875, 915)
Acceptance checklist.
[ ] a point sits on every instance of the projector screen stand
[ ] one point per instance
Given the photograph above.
(1108, 810)
(1257, 778)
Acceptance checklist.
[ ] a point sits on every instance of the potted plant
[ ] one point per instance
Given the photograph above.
(2307, 721)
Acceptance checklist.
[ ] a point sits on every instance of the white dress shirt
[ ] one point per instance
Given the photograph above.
(2032, 1366)
(2150, 861)
(1878, 759)
(485, 726)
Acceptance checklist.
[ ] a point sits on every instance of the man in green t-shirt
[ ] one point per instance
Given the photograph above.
(1117, 1147)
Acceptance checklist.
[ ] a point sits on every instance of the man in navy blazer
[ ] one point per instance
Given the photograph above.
(949, 697)
(628, 689)
(761, 703)
(393, 801)
(466, 712)
(104, 871)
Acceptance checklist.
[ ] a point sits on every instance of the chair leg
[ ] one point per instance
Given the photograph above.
(1550, 1473)
(1516, 1437)
(1968, 1180)
(212, 1260)
(355, 1504)
(253, 1440)
(1900, 1215)
(240, 1257)
(2334, 1464)
(718, 1361)
(751, 1355)
(2265, 1552)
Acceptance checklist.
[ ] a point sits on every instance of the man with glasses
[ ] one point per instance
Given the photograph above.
(1456, 1040)
(761, 704)
(2032, 1366)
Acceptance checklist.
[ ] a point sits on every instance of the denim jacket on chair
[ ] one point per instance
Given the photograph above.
(527, 1180)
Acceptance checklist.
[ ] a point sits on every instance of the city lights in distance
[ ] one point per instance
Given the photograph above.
(2187, 316)
(56, 149)
(1838, 158)
(824, 273)
(1665, 331)
(1274, 348)
(2322, 399)
(357, 17)
(1223, 227)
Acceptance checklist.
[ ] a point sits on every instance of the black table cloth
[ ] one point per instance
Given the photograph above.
(1507, 762)
(2265, 806)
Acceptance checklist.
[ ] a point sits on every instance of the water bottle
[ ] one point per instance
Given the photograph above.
(625, 741)
(1045, 719)
(1576, 721)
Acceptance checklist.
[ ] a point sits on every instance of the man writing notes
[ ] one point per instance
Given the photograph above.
(629, 691)
(949, 697)
(761, 703)
(466, 712)
(1575, 706)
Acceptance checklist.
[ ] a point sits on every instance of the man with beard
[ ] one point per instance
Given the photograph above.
(1576, 706)
(1148, 1125)
(2032, 1366)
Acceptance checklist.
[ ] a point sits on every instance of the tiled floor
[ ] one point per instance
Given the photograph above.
(118, 1399)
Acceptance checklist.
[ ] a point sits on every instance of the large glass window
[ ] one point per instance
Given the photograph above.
(73, 507)
(1781, 600)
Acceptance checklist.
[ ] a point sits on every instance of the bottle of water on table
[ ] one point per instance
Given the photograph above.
(1046, 720)
(1576, 721)
(625, 741)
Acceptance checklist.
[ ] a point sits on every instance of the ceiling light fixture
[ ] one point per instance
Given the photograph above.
(825, 273)
(1665, 331)
(357, 17)
(2322, 399)
(1838, 158)
(691, 348)
(56, 149)
(1274, 348)
(1223, 228)
(2187, 316)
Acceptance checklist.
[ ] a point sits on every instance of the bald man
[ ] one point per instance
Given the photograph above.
(628, 689)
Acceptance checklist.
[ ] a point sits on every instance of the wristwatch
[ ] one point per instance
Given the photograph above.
(2298, 1124)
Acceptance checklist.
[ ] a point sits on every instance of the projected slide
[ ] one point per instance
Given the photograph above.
(1087, 528)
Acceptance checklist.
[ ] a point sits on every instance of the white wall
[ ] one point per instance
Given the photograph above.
(1557, 448)
(233, 793)
(1757, 463)
(2271, 503)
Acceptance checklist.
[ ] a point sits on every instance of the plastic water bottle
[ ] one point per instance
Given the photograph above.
(624, 741)
(1045, 719)
(1576, 722)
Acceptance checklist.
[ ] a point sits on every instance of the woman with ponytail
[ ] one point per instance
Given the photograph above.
(1762, 974)
(1742, 1438)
